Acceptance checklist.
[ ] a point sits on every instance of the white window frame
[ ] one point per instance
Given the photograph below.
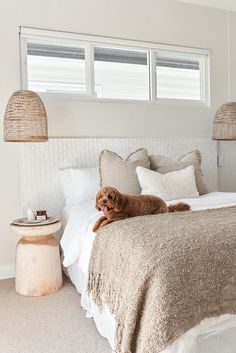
(88, 42)
(204, 61)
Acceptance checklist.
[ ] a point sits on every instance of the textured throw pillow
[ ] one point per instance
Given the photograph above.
(170, 186)
(162, 164)
(79, 184)
(121, 174)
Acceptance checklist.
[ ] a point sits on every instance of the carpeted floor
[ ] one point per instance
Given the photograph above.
(52, 324)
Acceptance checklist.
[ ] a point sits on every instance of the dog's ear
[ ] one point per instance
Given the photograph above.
(118, 201)
(97, 199)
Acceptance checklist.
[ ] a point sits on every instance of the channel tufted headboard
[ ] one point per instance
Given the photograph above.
(40, 162)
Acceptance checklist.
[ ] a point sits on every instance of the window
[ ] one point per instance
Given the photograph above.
(100, 68)
(121, 74)
(54, 68)
(178, 76)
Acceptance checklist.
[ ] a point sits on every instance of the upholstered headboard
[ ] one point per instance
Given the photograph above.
(40, 162)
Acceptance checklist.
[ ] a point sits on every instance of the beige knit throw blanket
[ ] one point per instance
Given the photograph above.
(160, 275)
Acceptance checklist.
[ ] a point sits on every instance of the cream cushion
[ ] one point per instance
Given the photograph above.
(79, 184)
(170, 186)
(162, 164)
(121, 174)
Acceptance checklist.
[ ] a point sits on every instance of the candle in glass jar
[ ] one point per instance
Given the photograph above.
(41, 215)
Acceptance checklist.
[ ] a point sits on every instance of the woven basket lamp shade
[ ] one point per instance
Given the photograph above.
(224, 124)
(25, 118)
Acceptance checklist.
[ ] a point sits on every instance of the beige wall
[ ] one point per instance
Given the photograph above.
(227, 175)
(161, 21)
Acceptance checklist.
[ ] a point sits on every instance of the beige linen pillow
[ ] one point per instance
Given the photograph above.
(121, 174)
(176, 185)
(163, 165)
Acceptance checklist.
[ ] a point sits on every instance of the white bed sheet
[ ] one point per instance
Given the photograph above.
(214, 335)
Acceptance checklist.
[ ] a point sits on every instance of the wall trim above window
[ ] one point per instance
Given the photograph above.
(32, 33)
(95, 68)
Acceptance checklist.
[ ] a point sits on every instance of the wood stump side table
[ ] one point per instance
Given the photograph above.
(38, 265)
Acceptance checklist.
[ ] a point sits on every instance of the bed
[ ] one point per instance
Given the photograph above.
(210, 336)
(216, 334)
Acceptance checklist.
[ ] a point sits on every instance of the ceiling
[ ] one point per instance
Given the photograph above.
(221, 4)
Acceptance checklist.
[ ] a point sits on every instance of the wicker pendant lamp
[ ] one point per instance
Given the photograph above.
(25, 118)
(224, 124)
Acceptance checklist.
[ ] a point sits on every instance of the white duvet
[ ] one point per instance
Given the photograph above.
(214, 335)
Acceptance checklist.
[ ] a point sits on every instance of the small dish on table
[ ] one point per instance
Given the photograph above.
(25, 222)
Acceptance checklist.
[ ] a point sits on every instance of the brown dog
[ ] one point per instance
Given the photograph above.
(117, 206)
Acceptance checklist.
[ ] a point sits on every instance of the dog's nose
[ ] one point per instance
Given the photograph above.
(104, 201)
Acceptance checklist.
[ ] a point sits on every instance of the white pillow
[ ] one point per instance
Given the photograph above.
(175, 185)
(79, 184)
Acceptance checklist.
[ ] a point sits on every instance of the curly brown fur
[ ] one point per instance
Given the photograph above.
(117, 206)
(179, 207)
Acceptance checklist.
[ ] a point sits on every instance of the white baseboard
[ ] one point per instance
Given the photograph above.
(7, 271)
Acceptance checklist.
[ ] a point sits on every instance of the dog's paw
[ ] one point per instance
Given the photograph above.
(95, 228)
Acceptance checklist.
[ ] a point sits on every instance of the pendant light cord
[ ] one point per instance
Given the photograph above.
(228, 44)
